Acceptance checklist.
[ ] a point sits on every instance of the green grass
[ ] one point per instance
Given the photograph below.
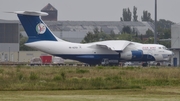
(26, 78)
(24, 83)
(148, 94)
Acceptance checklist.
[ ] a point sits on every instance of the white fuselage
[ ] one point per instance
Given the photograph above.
(92, 52)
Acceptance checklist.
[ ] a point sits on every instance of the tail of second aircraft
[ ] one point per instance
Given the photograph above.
(35, 28)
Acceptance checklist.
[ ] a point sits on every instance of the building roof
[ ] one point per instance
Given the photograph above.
(75, 31)
(9, 21)
(89, 26)
(106, 26)
(49, 7)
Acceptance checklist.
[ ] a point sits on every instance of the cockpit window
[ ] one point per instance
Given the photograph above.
(165, 48)
(162, 47)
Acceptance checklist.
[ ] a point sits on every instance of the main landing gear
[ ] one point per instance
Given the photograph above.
(144, 64)
(158, 64)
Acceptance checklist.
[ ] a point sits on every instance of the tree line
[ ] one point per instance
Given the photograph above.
(163, 30)
(128, 33)
(127, 15)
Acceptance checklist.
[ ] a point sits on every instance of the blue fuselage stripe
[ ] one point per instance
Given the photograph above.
(97, 58)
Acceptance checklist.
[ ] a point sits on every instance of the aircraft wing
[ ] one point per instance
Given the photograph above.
(117, 46)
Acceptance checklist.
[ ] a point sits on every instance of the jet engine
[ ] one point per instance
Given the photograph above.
(132, 55)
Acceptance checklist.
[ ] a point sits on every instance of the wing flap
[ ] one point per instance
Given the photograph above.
(117, 46)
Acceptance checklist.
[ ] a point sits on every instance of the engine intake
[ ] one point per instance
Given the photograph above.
(132, 55)
(137, 54)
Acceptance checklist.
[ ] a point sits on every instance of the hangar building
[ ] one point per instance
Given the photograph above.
(9, 38)
(175, 44)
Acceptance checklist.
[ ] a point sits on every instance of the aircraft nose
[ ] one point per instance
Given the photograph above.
(168, 56)
(171, 53)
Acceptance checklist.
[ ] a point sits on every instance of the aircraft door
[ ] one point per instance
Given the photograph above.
(174, 62)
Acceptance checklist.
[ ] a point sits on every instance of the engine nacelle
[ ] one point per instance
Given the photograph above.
(126, 55)
(132, 55)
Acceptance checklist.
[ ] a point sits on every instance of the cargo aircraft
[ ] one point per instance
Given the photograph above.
(103, 52)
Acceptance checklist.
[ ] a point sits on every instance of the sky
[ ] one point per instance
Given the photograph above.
(93, 10)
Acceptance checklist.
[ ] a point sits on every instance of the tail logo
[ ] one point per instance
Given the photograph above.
(40, 28)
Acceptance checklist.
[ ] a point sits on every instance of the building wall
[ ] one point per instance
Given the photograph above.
(175, 44)
(52, 16)
(6, 47)
(9, 37)
(9, 32)
(21, 56)
(175, 36)
(175, 60)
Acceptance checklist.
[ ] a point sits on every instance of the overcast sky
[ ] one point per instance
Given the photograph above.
(94, 10)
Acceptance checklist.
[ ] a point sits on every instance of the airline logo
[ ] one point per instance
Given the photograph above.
(40, 28)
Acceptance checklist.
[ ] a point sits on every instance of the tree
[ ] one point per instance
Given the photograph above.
(141, 37)
(134, 31)
(149, 33)
(112, 35)
(96, 30)
(126, 29)
(125, 36)
(96, 36)
(23, 40)
(164, 29)
(135, 14)
(167, 33)
(164, 24)
(88, 38)
(126, 15)
(146, 16)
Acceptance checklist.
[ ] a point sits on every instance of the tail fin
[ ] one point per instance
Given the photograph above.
(35, 28)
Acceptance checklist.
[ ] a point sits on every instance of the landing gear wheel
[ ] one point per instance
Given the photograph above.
(145, 64)
(158, 64)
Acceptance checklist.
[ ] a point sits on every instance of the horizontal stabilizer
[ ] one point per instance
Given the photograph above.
(35, 28)
(32, 13)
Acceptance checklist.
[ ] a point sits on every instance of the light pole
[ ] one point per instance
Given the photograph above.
(155, 30)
